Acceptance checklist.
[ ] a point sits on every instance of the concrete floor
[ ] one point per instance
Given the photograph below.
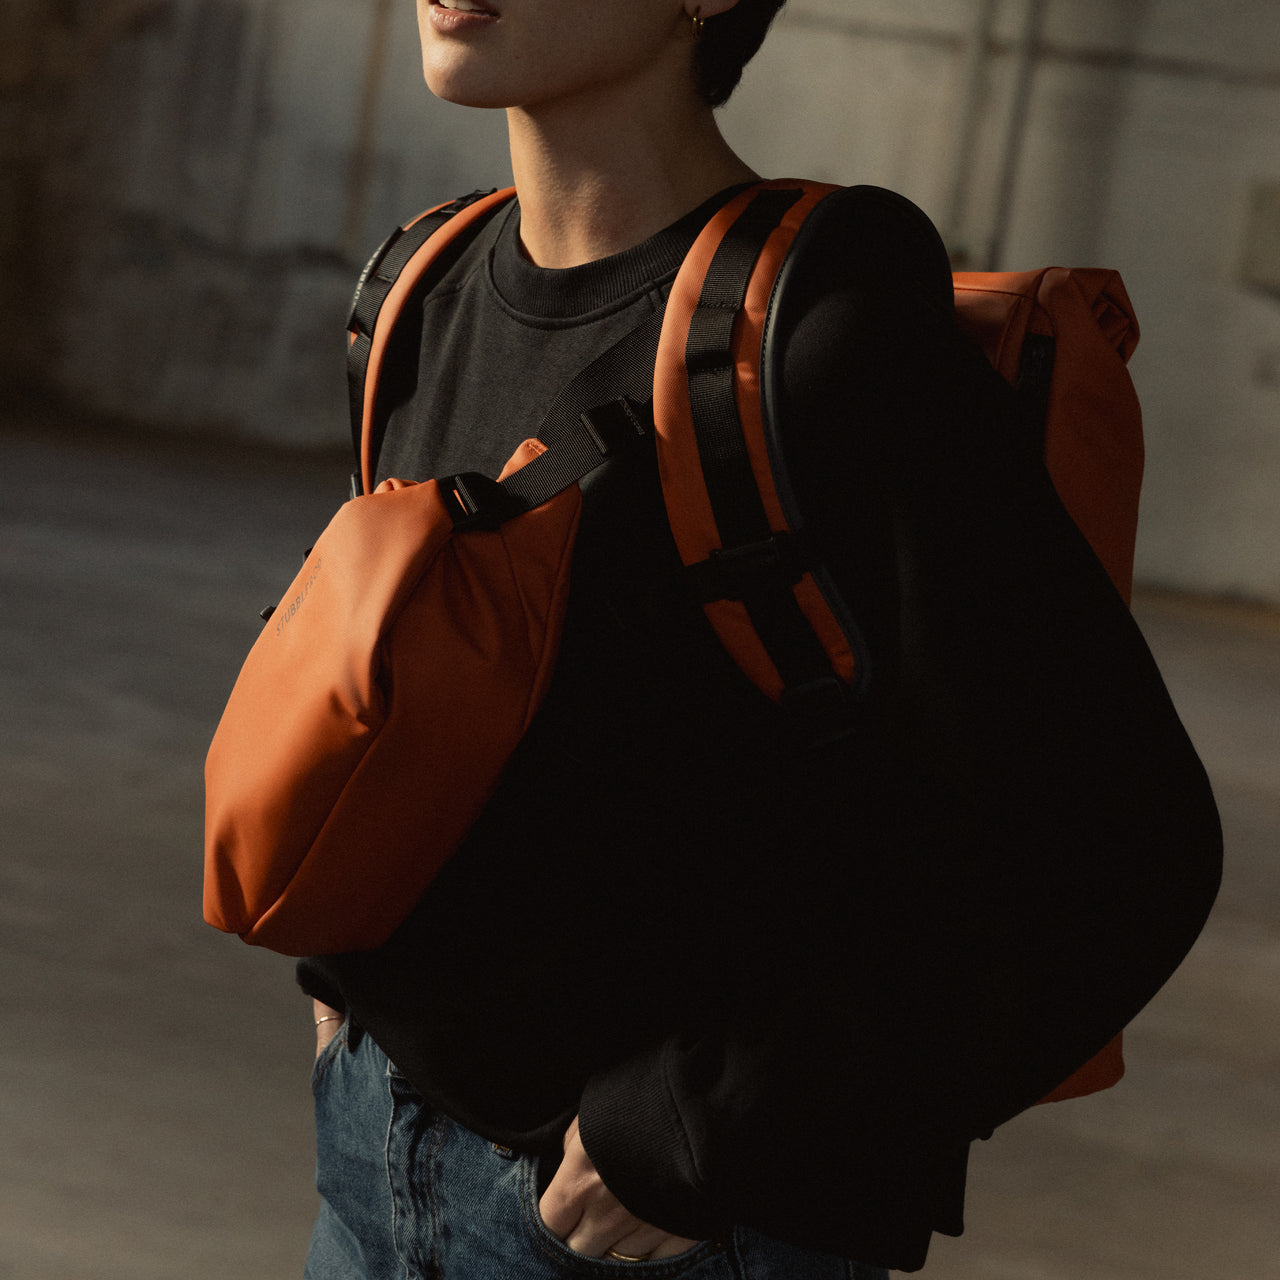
(153, 1073)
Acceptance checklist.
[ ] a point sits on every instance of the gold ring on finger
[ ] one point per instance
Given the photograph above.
(625, 1257)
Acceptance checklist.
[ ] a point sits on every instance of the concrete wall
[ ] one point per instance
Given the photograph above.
(211, 172)
(214, 175)
(1148, 128)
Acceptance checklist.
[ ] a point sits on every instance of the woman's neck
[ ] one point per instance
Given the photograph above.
(596, 178)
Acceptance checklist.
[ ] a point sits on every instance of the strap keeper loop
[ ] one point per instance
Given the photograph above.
(737, 573)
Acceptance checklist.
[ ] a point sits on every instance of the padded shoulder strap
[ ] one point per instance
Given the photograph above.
(403, 260)
(763, 590)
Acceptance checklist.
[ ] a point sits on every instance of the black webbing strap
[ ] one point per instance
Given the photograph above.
(1035, 376)
(375, 283)
(604, 411)
(726, 465)
(756, 565)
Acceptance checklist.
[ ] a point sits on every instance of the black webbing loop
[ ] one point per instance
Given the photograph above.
(1035, 376)
(752, 566)
(734, 573)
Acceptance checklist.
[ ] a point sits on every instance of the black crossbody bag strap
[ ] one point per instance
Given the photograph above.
(605, 411)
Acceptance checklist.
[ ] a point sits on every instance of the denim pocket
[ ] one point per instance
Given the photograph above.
(705, 1261)
(762, 1257)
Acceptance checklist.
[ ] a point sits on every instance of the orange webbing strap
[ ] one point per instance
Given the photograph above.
(384, 287)
(738, 542)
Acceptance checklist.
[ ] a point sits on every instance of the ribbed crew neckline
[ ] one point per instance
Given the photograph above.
(583, 292)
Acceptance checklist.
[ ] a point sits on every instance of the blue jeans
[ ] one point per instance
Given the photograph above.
(407, 1194)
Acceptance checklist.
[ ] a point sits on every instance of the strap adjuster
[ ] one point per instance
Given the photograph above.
(476, 501)
(737, 573)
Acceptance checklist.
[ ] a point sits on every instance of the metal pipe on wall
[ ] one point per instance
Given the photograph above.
(1025, 55)
(364, 145)
(969, 119)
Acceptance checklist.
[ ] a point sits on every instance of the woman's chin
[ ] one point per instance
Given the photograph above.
(454, 84)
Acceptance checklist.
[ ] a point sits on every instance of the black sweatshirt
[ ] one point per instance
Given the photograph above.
(786, 988)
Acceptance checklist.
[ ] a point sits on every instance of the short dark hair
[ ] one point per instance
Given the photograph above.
(728, 43)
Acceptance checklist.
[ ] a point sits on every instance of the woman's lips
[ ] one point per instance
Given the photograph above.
(458, 21)
(463, 10)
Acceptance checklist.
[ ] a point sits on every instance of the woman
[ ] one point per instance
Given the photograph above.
(691, 1000)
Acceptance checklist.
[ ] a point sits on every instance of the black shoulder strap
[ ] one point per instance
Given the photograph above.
(756, 565)
(375, 283)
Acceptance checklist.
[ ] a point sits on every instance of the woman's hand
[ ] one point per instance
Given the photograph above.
(580, 1210)
(328, 1028)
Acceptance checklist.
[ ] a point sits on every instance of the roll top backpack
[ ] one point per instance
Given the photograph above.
(372, 718)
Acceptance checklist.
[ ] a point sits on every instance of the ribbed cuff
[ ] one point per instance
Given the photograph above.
(635, 1136)
(318, 986)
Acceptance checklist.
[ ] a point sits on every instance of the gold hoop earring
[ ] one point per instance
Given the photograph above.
(699, 22)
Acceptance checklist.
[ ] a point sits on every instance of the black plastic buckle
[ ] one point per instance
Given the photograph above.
(736, 573)
(475, 501)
